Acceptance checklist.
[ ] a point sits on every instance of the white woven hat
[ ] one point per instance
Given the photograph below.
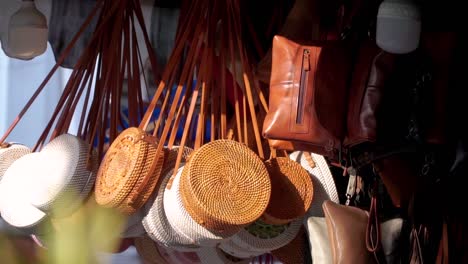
(9, 153)
(66, 179)
(180, 219)
(157, 226)
(210, 255)
(324, 185)
(16, 190)
(264, 238)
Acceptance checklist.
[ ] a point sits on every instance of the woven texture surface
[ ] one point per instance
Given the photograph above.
(258, 240)
(148, 251)
(324, 185)
(155, 222)
(225, 186)
(291, 191)
(65, 176)
(126, 164)
(182, 222)
(16, 189)
(9, 154)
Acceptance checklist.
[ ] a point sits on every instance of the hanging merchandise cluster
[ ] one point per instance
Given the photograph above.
(208, 192)
(245, 156)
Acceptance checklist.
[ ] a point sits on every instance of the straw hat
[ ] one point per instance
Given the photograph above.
(125, 170)
(324, 185)
(66, 177)
(225, 186)
(180, 220)
(16, 190)
(148, 251)
(155, 222)
(291, 191)
(264, 238)
(9, 152)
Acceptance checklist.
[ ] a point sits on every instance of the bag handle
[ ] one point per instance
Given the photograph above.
(184, 77)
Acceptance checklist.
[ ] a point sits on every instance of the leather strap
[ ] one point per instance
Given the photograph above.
(443, 254)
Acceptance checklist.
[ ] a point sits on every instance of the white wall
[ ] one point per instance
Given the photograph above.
(18, 81)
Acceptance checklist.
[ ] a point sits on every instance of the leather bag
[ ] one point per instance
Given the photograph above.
(308, 94)
(349, 235)
(372, 70)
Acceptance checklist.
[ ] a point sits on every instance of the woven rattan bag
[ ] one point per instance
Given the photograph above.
(155, 222)
(9, 152)
(67, 176)
(129, 171)
(16, 190)
(53, 182)
(225, 186)
(291, 191)
(182, 222)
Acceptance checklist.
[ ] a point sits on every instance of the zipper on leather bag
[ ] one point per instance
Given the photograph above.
(305, 68)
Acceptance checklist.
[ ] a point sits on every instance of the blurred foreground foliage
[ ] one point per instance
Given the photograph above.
(76, 239)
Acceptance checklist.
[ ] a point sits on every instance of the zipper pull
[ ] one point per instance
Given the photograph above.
(306, 60)
(352, 181)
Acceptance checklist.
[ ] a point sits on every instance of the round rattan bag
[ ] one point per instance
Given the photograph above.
(9, 152)
(225, 186)
(155, 221)
(67, 175)
(129, 171)
(291, 191)
(17, 188)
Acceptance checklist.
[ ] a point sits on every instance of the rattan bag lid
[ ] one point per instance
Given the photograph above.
(225, 186)
(9, 152)
(291, 191)
(125, 168)
(18, 185)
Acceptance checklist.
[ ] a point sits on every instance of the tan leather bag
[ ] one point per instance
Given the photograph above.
(308, 94)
